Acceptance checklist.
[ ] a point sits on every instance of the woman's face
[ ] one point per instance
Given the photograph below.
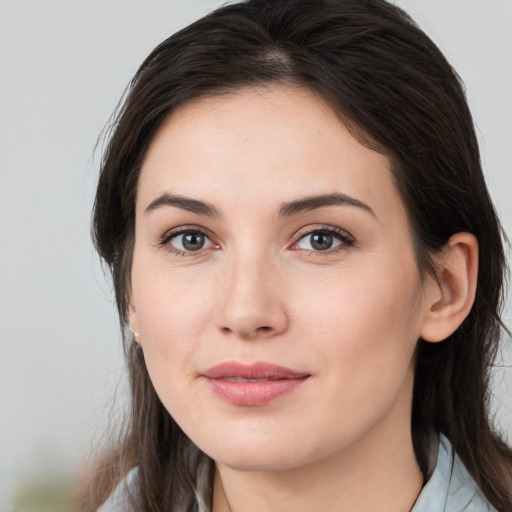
(274, 284)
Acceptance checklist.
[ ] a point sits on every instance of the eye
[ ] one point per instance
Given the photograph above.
(324, 240)
(186, 241)
(318, 241)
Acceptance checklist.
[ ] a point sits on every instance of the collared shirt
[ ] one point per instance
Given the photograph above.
(450, 487)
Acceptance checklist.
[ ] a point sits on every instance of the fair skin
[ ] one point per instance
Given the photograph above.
(328, 289)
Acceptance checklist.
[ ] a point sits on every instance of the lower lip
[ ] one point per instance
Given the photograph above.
(253, 393)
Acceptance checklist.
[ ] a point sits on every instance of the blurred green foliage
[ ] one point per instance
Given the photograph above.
(44, 495)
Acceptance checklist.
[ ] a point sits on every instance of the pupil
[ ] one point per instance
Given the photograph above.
(193, 241)
(321, 241)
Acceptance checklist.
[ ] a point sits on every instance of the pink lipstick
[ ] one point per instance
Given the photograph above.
(252, 384)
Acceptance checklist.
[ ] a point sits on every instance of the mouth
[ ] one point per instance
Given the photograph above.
(252, 384)
(241, 379)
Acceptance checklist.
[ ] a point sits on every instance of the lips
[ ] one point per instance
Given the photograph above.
(254, 384)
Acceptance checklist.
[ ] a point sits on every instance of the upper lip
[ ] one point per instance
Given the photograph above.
(260, 370)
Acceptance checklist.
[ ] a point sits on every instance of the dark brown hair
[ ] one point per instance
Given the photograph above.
(396, 92)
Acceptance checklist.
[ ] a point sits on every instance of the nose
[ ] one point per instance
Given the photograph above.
(251, 305)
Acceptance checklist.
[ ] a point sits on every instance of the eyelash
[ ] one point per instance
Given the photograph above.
(344, 237)
(184, 230)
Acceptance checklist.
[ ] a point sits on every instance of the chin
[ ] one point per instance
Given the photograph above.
(251, 455)
(257, 462)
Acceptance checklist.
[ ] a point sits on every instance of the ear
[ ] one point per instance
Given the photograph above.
(453, 295)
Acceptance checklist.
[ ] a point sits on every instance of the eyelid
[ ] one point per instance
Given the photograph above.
(347, 240)
(164, 240)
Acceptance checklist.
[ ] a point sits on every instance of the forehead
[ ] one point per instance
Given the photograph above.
(260, 146)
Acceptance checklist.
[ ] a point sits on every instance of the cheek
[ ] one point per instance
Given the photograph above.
(364, 320)
(169, 326)
(362, 341)
(171, 312)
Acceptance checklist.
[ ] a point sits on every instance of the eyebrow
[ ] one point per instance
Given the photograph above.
(286, 210)
(307, 204)
(185, 203)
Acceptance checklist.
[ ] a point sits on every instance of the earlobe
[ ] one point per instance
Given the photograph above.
(454, 292)
(134, 324)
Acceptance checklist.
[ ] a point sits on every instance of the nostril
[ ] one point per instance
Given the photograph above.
(249, 334)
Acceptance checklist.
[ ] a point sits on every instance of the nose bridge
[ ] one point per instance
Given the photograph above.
(250, 306)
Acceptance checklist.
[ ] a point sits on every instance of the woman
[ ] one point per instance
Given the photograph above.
(302, 243)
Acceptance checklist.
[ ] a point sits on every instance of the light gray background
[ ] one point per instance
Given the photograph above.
(63, 67)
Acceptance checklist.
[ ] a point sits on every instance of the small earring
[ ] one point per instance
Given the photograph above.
(136, 340)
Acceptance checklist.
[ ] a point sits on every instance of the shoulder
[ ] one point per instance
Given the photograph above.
(125, 496)
(121, 500)
(450, 487)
